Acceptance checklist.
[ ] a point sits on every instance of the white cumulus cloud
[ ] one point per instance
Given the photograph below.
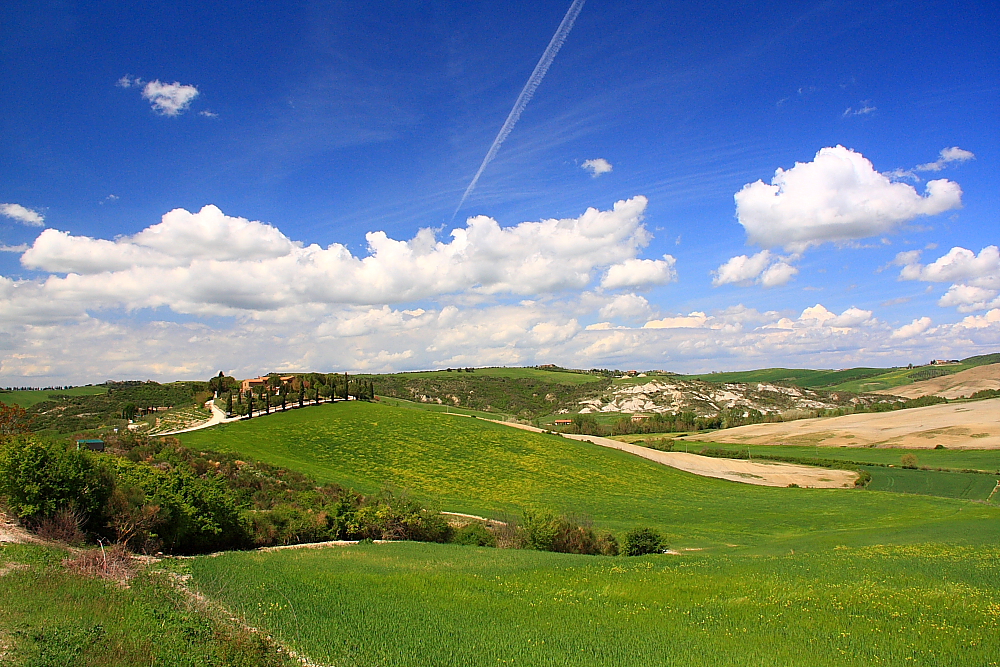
(640, 273)
(914, 328)
(975, 278)
(946, 157)
(597, 166)
(211, 263)
(764, 268)
(838, 196)
(25, 216)
(168, 99)
(627, 307)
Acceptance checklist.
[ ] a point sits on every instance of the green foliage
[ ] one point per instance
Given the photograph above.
(38, 478)
(544, 531)
(986, 393)
(642, 541)
(474, 534)
(196, 513)
(908, 460)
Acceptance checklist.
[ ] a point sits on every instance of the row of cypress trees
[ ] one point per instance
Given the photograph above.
(301, 389)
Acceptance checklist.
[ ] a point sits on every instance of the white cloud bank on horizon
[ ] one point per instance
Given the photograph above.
(597, 166)
(208, 263)
(486, 295)
(24, 215)
(382, 338)
(975, 278)
(167, 99)
(837, 197)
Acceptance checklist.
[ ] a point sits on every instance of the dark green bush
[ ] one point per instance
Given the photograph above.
(38, 479)
(641, 541)
(474, 534)
(544, 531)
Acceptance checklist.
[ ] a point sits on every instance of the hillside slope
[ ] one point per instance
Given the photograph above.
(957, 385)
(470, 465)
(975, 424)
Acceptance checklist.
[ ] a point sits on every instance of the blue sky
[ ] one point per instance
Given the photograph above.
(310, 127)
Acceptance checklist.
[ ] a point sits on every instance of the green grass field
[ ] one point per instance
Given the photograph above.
(470, 465)
(426, 604)
(987, 460)
(434, 407)
(51, 617)
(28, 398)
(933, 483)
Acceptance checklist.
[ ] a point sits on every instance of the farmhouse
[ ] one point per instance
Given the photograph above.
(562, 422)
(262, 381)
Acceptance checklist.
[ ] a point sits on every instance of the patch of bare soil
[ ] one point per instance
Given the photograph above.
(973, 425)
(965, 383)
(734, 470)
(13, 533)
(7, 568)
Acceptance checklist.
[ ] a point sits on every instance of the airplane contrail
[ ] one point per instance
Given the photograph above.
(562, 32)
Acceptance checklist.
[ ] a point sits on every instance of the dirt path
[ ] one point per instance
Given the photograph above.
(973, 425)
(734, 470)
(965, 383)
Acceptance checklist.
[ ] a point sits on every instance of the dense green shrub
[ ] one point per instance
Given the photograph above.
(38, 479)
(544, 531)
(474, 534)
(641, 541)
(195, 514)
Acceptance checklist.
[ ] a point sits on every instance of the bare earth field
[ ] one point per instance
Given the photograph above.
(958, 385)
(734, 470)
(974, 425)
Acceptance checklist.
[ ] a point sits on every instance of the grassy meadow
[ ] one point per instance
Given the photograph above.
(51, 617)
(425, 604)
(30, 397)
(471, 465)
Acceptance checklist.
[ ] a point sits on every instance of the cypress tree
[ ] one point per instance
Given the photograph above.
(229, 404)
